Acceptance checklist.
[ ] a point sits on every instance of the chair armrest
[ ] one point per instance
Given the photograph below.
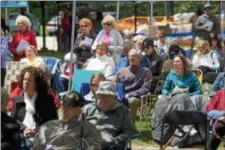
(143, 96)
(62, 94)
(135, 136)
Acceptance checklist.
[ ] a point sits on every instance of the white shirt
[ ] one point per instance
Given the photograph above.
(103, 63)
(209, 60)
(29, 121)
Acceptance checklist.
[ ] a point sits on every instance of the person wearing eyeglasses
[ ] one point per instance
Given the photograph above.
(84, 41)
(111, 118)
(94, 83)
(207, 24)
(24, 32)
(111, 36)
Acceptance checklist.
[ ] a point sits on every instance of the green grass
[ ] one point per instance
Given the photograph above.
(146, 137)
(57, 54)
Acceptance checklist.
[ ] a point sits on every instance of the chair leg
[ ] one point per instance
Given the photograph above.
(206, 133)
(161, 138)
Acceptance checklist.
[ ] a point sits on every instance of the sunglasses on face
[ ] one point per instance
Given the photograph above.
(83, 26)
(107, 24)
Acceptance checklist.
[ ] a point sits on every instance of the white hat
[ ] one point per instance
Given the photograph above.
(67, 57)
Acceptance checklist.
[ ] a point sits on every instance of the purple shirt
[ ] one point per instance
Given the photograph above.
(136, 80)
(4, 48)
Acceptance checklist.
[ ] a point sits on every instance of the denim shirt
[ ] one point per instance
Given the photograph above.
(219, 83)
(4, 48)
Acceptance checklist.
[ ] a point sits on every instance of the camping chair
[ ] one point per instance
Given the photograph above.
(176, 117)
(222, 63)
(148, 101)
(210, 77)
(85, 89)
(53, 65)
(80, 76)
(129, 144)
(13, 70)
(199, 74)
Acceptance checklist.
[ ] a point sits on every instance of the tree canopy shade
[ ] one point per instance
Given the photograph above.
(14, 4)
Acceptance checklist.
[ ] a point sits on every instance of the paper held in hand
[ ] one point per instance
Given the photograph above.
(88, 41)
(22, 45)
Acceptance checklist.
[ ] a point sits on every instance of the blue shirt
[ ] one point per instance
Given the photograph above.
(4, 48)
(219, 83)
(124, 62)
(189, 80)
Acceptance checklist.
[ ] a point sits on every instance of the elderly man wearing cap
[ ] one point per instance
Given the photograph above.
(111, 118)
(136, 80)
(207, 24)
(70, 133)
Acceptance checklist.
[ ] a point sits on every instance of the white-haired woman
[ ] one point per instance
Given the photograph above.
(24, 34)
(111, 36)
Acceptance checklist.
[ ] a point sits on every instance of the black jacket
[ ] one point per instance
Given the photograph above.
(10, 133)
(157, 63)
(44, 106)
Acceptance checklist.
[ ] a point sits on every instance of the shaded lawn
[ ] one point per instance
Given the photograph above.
(146, 137)
(57, 54)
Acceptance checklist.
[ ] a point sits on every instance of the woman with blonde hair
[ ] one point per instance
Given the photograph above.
(22, 37)
(84, 41)
(111, 36)
(205, 59)
(31, 57)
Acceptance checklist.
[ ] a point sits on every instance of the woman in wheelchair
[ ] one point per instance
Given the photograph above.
(34, 106)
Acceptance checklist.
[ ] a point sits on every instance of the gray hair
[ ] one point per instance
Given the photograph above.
(4, 95)
(23, 19)
(135, 52)
(128, 44)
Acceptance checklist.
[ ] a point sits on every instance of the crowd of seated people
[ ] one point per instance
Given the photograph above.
(137, 63)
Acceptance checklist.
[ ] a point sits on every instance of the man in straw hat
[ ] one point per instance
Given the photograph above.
(111, 118)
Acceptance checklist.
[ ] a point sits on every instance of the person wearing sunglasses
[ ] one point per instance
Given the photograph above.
(207, 24)
(84, 41)
(111, 36)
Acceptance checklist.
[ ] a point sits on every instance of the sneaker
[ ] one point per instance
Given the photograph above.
(178, 133)
(193, 131)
